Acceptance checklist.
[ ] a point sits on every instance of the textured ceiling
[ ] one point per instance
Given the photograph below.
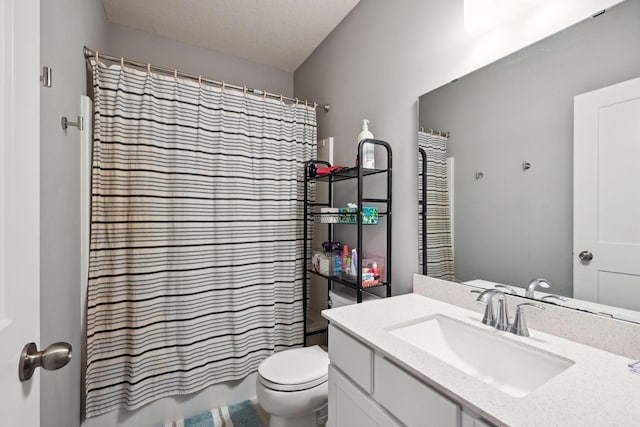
(279, 33)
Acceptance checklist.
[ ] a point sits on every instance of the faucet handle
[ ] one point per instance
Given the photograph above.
(519, 326)
(552, 296)
(531, 304)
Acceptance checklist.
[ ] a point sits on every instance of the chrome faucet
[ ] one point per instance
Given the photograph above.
(485, 296)
(501, 321)
(519, 326)
(533, 284)
(502, 318)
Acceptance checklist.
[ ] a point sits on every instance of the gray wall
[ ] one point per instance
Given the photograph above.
(66, 25)
(374, 65)
(384, 55)
(512, 225)
(148, 48)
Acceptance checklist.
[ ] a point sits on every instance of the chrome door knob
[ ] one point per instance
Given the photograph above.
(53, 357)
(585, 256)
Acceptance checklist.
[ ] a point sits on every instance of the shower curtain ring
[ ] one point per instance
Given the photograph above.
(97, 56)
(281, 98)
(122, 61)
(200, 80)
(223, 85)
(175, 74)
(245, 90)
(149, 68)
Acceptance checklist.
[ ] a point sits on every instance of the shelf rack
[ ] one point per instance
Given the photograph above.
(359, 174)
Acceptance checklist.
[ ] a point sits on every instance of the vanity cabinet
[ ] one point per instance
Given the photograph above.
(367, 389)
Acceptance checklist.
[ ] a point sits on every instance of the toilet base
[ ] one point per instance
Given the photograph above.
(304, 408)
(307, 421)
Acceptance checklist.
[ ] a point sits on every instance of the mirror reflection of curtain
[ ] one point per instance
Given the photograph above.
(439, 258)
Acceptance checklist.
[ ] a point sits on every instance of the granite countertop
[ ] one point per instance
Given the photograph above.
(597, 390)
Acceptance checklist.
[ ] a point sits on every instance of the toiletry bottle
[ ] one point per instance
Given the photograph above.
(354, 262)
(347, 269)
(368, 150)
(345, 252)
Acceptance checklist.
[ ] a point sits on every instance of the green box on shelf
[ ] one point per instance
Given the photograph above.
(348, 216)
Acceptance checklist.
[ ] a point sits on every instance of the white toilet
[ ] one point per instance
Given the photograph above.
(292, 387)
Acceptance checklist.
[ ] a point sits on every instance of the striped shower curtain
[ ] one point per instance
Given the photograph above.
(438, 227)
(196, 265)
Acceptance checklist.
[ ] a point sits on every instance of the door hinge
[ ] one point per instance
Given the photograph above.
(46, 77)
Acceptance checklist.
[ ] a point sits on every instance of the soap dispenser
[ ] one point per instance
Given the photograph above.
(368, 149)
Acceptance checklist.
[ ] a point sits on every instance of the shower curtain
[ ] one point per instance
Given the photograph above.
(196, 265)
(438, 227)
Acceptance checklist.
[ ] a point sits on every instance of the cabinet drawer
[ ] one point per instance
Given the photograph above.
(411, 401)
(352, 357)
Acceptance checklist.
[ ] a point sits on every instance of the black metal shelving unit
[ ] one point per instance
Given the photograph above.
(311, 210)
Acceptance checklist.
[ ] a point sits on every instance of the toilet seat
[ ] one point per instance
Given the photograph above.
(294, 370)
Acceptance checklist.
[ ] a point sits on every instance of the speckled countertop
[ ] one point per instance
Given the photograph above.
(598, 390)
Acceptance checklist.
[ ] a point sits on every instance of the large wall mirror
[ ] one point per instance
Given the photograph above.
(510, 146)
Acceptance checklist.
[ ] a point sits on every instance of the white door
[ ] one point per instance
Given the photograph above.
(19, 206)
(607, 195)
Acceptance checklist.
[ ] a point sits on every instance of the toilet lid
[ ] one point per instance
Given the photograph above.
(296, 369)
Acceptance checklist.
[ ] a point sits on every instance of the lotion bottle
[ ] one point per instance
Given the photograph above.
(368, 150)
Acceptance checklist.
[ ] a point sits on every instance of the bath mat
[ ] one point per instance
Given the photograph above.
(243, 414)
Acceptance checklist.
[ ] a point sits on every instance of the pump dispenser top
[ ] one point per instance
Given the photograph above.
(368, 150)
(365, 133)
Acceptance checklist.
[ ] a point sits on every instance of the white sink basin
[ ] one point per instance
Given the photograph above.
(511, 367)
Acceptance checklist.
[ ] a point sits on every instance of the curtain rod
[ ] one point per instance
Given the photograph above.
(435, 132)
(88, 53)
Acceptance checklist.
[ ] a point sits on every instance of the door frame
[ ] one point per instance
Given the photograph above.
(20, 205)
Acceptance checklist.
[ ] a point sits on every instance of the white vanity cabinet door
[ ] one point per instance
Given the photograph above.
(350, 407)
(471, 420)
(365, 389)
(411, 401)
(354, 358)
